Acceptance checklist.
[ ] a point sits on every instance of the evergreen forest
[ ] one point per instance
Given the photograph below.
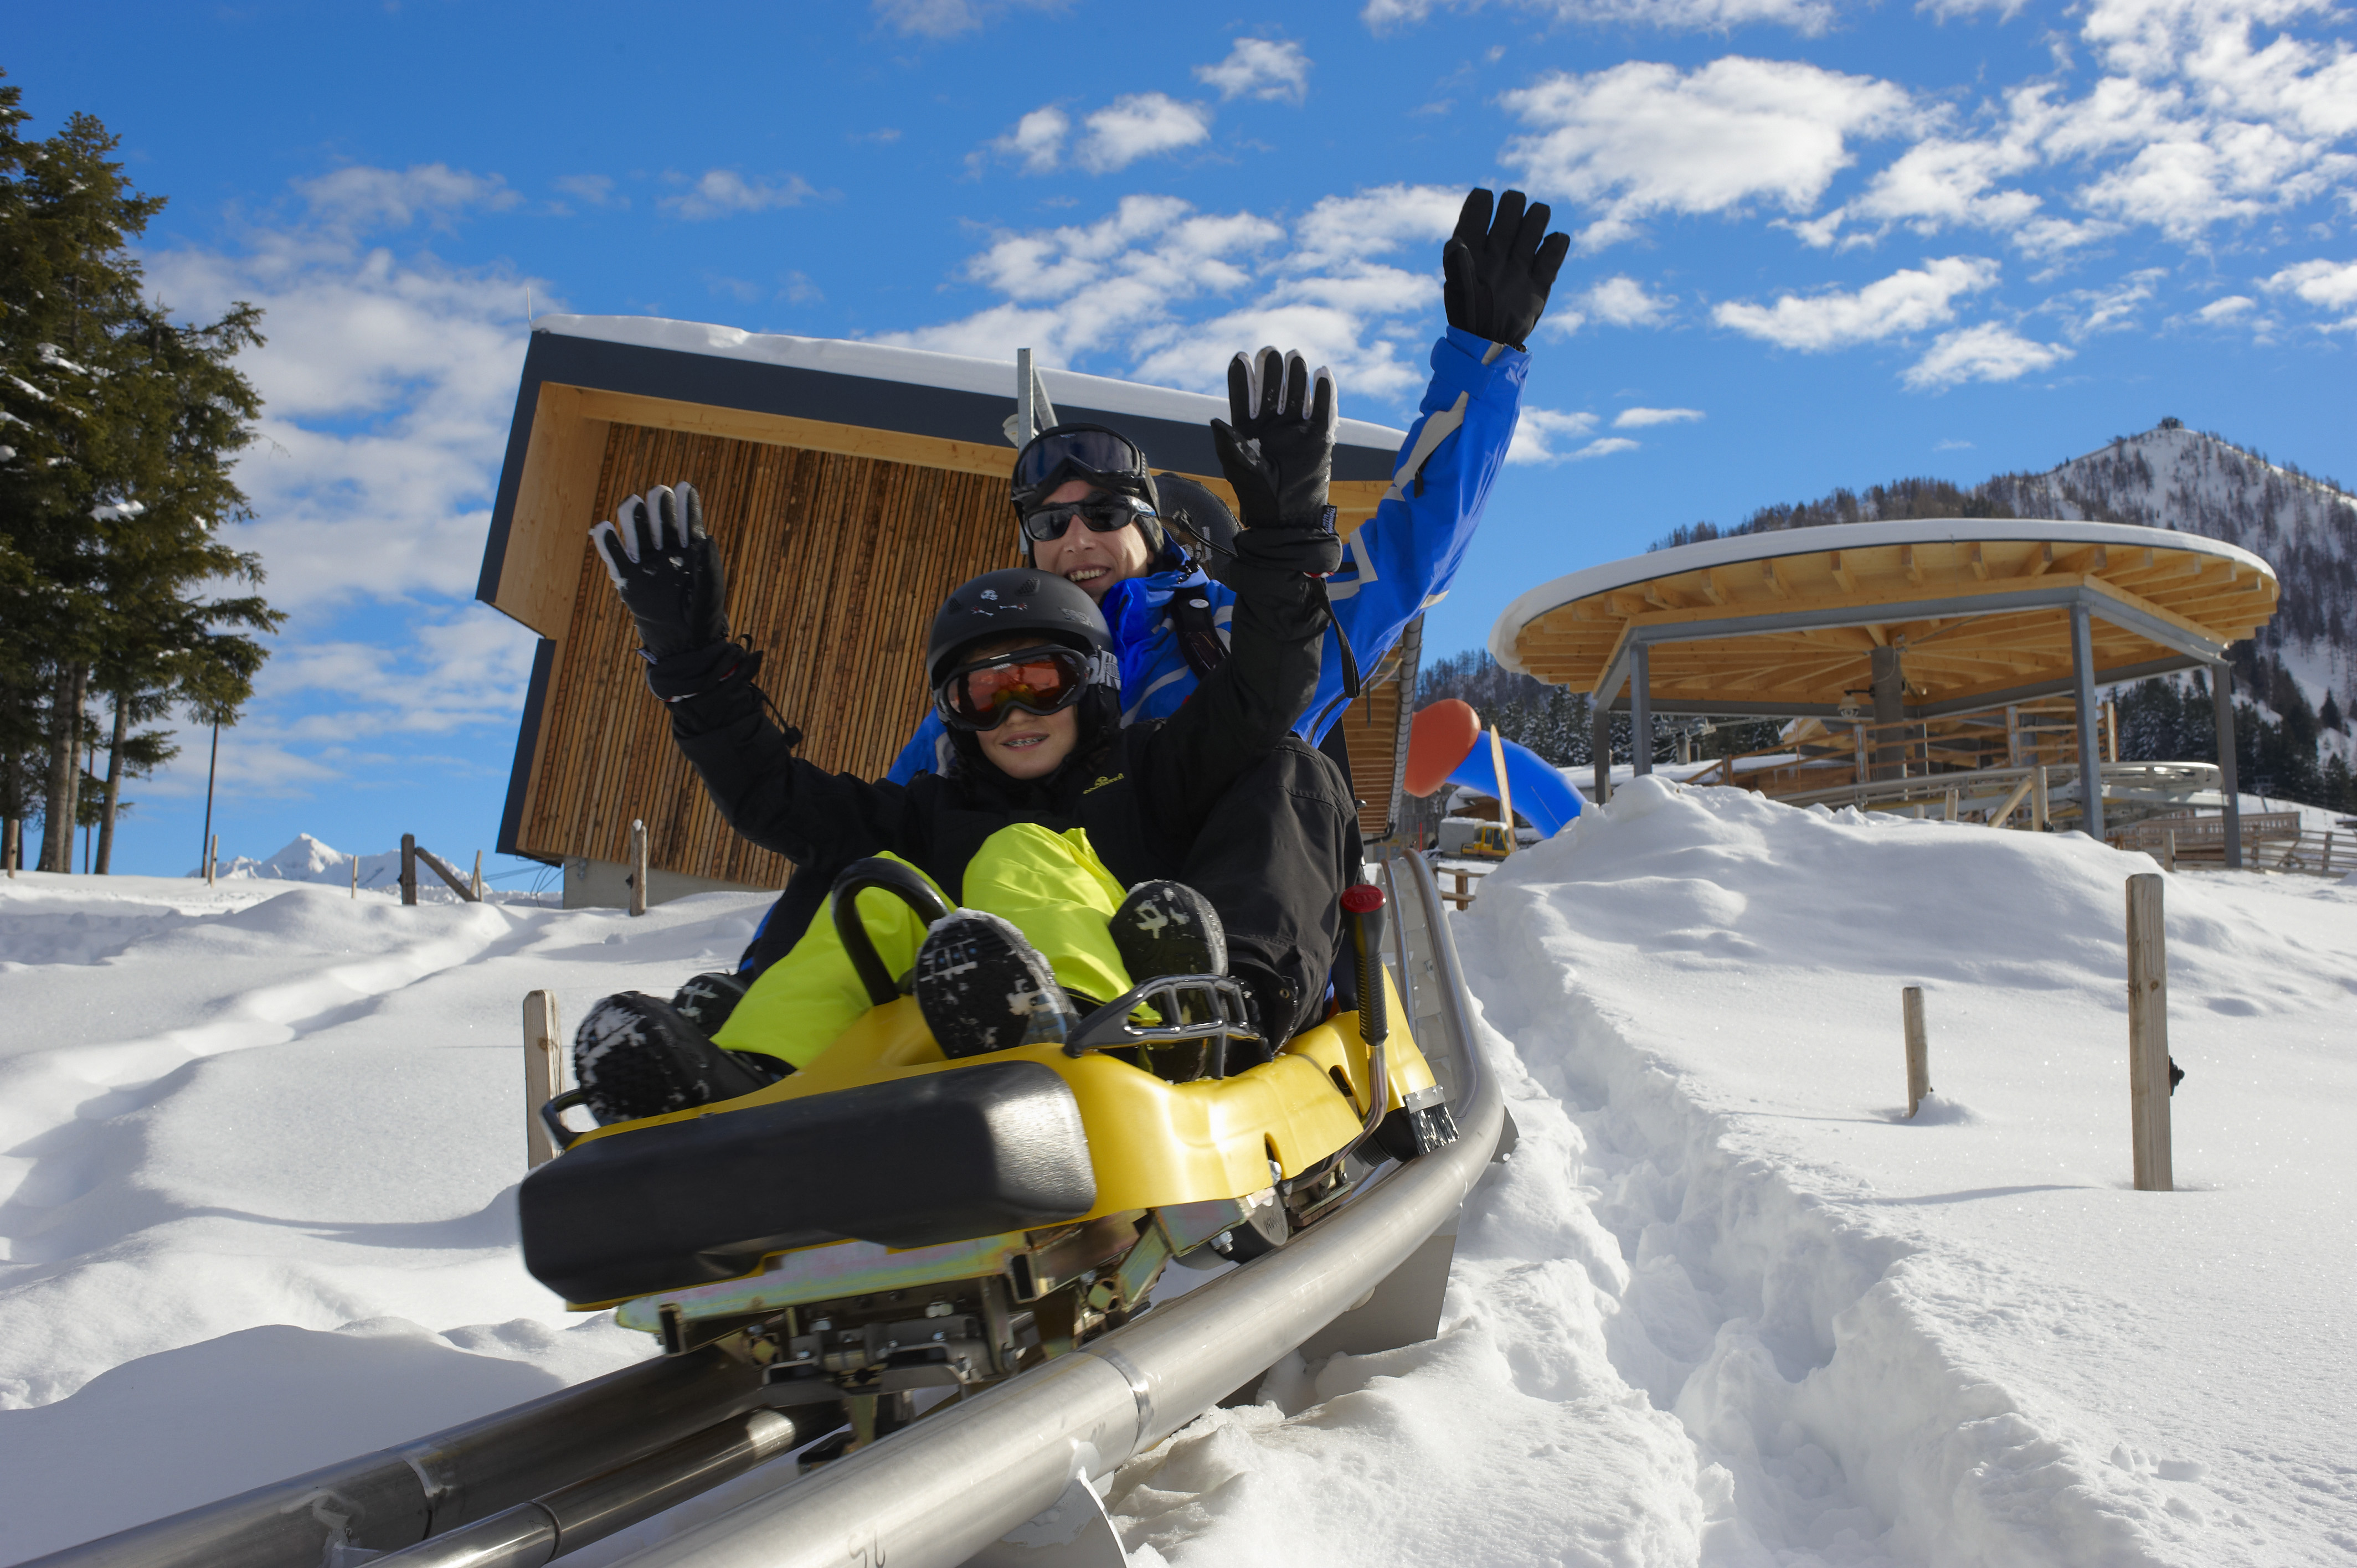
(119, 426)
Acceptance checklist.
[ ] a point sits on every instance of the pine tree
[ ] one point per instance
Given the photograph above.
(121, 425)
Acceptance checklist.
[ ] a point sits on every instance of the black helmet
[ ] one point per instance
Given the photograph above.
(1021, 599)
(1200, 520)
(1105, 457)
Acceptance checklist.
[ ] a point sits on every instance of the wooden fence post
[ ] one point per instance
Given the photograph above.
(409, 868)
(2039, 820)
(1955, 804)
(478, 876)
(2169, 860)
(212, 857)
(1919, 1049)
(356, 877)
(638, 867)
(1505, 791)
(2148, 1035)
(543, 1072)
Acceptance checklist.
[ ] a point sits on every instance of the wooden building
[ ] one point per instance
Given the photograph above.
(850, 486)
(1909, 620)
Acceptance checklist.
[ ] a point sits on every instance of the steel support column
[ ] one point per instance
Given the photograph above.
(1601, 742)
(2222, 699)
(2091, 751)
(1641, 708)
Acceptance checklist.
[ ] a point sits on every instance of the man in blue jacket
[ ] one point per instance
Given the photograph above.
(1091, 511)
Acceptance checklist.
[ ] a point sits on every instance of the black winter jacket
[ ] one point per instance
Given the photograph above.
(1143, 793)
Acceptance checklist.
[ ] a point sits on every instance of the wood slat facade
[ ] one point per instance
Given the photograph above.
(835, 565)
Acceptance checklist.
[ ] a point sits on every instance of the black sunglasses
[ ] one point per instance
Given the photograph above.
(1102, 516)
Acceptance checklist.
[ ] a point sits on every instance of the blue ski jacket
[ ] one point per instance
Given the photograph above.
(1399, 561)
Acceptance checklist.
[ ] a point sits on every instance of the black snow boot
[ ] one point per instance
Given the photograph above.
(983, 987)
(1168, 927)
(637, 1057)
(707, 1000)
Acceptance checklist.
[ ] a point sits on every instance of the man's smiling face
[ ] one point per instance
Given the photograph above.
(1092, 562)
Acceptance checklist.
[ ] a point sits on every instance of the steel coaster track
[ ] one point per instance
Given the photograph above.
(520, 1487)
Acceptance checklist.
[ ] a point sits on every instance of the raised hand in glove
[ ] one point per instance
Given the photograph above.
(1495, 273)
(667, 570)
(1278, 453)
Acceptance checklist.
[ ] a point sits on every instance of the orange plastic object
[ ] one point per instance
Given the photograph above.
(1439, 737)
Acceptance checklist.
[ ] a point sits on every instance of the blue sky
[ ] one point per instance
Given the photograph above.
(1817, 244)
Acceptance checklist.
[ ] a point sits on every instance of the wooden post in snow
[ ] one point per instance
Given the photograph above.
(543, 1072)
(1505, 791)
(478, 876)
(638, 867)
(212, 856)
(1919, 1047)
(356, 877)
(2038, 821)
(1955, 805)
(2148, 1035)
(409, 868)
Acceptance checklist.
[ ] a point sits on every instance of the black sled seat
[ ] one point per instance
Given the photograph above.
(911, 1162)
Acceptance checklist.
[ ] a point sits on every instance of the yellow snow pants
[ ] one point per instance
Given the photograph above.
(1050, 885)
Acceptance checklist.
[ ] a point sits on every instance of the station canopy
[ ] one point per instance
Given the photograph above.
(1787, 623)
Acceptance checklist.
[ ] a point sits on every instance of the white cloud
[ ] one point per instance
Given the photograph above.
(721, 193)
(2089, 311)
(1906, 301)
(2226, 309)
(1946, 10)
(1162, 291)
(365, 198)
(1640, 138)
(2331, 285)
(1139, 125)
(593, 190)
(1987, 352)
(1639, 418)
(1809, 17)
(943, 18)
(1951, 446)
(1260, 68)
(1547, 436)
(1623, 301)
(1038, 139)
(1603, 447)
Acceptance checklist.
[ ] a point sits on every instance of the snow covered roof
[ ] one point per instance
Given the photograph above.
(1755, 547)
(924, 368)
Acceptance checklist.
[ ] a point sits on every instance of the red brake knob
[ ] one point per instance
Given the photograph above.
(1362, 898)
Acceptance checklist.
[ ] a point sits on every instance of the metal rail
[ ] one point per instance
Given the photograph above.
(945, 1488)
(542, 1478)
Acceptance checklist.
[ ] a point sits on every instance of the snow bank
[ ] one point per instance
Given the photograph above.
(1971, 1331)
(258, 1152)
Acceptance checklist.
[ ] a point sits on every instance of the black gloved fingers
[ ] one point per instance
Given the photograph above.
(609, 551)
(1532, 232)
(1297, 386)
(1509, 221)
(1549, 259)
(1321, 409)
(1289, 548)
(1473, 218)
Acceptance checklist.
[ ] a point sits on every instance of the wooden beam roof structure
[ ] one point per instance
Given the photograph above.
(1786, 624)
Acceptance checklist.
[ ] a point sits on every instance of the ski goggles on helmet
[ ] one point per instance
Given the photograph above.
(1045, 680)
(1103, 514)
(1106, 459)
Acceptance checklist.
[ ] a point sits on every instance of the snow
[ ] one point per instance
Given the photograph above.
(258, 1147)
(1726, 1306)
(925, 368)
(258, 1151)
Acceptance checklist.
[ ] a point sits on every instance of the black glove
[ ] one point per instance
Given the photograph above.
(1495, 276)
(1279, 453)
(667, 570)
(1291, 551)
